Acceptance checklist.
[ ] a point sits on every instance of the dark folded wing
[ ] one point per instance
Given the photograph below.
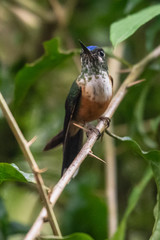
(71, 105)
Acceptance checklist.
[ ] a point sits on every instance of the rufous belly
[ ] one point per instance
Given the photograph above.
(90, 110)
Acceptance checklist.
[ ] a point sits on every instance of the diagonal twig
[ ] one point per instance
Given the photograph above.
(136, 71)
(29, 157)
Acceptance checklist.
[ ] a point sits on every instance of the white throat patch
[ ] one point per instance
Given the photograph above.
(98, 88)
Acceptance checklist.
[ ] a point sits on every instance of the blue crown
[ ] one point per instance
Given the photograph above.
(92, 47)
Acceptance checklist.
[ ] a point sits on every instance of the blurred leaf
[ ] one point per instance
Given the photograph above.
(155, 163)
(31, 72)
(16, 227)
(132, 201)
(8, 228)
(10, 172)
(153, 157)
(6, 82)
(74, 236)
(86, 203)
(125, 27)
(151, 33)
(139, 117)
(3, 220)
(139, 109)
(3, 212)
(131, 5)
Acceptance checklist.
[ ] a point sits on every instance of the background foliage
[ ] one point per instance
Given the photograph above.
(35, 77)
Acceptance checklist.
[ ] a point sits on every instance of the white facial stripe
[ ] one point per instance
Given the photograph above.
(100, 59)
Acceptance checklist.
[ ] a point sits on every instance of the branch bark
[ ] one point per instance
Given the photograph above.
(29, 157)
(136, 71)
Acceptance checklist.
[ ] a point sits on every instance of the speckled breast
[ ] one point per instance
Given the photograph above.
(95, 98)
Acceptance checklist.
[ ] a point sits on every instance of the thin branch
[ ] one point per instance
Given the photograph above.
(60, 12)
(59, 187)
(110, 154)
(111, 184)
(29, 157)
(96, 157)
(135, 83)
(32, 141)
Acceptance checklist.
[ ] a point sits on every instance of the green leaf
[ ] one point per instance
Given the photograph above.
(74, 236)
(124, 28)
(153, 157)
(150, 156)
(27, 76)
(10, 172)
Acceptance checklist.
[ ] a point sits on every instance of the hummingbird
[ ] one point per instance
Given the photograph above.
(88, 98)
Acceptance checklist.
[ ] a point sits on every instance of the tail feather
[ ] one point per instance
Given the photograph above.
(55, 141)
(71, 149)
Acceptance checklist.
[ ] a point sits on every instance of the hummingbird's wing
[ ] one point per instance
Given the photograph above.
(72, 135)
(71, 105)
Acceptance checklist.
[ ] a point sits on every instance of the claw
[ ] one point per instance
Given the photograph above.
(106, 121)
(90, 129)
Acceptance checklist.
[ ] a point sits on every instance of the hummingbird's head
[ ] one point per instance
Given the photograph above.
(93, 60)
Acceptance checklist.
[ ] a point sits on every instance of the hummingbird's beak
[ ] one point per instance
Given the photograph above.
(85, 49)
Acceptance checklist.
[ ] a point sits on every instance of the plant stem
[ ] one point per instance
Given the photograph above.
(110, 153)
(29, 157)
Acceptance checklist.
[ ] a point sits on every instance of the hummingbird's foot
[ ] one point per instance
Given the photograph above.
(45, 219)
(106, 121)
(90, 129)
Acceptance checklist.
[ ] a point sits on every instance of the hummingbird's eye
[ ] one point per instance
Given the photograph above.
(101, 53)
